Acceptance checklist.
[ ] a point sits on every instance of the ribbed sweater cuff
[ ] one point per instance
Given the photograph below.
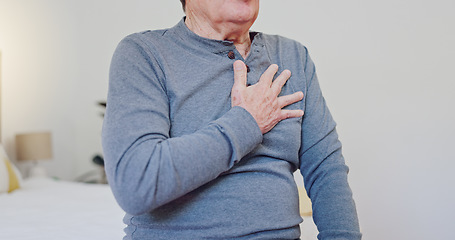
(242, 130)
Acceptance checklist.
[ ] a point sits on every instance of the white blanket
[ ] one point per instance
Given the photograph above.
(56, 210)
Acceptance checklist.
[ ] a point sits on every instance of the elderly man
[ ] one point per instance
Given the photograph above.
(205, 126)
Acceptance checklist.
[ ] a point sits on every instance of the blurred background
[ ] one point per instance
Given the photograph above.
(386, 69)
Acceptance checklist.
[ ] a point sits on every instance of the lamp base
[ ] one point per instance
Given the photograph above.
(37, 172)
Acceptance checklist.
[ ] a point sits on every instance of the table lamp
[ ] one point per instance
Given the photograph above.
(34, 147)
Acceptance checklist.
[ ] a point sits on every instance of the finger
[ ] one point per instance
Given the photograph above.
(279, 82)
(285, 114)
(267, 76)
(240, 73)
(284, 101)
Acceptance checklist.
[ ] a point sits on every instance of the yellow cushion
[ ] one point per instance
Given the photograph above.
(304, 203)
(10, 177)
(13, 179)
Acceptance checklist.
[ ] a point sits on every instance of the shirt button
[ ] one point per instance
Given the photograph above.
(231, 54)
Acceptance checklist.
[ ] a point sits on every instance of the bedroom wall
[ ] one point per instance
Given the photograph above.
(55, 69)
(385, 68)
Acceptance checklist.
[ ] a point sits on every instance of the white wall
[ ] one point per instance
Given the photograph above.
(386, 69)
(56, 56)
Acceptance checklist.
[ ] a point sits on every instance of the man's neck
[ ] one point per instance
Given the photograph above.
(238, 34)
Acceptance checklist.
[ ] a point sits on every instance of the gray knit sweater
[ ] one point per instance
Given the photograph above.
(184, 164)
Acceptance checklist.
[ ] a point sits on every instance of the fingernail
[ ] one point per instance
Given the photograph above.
(275, 66)
(238, 65)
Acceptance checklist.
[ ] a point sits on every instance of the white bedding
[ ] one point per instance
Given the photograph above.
(56, 210)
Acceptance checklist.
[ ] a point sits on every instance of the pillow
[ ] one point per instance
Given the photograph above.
(10, 177)
(304, 203)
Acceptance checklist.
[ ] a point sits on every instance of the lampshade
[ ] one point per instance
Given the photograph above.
(34, 146)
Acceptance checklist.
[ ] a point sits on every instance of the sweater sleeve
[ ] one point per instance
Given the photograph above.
(323, 168)
(147, 168)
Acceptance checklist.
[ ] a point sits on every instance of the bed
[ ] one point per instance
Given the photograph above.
(46, 208)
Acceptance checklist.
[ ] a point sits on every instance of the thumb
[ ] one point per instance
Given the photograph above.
(240, 73)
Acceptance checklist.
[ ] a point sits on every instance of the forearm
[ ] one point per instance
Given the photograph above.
(155, 170)
(334, 210)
